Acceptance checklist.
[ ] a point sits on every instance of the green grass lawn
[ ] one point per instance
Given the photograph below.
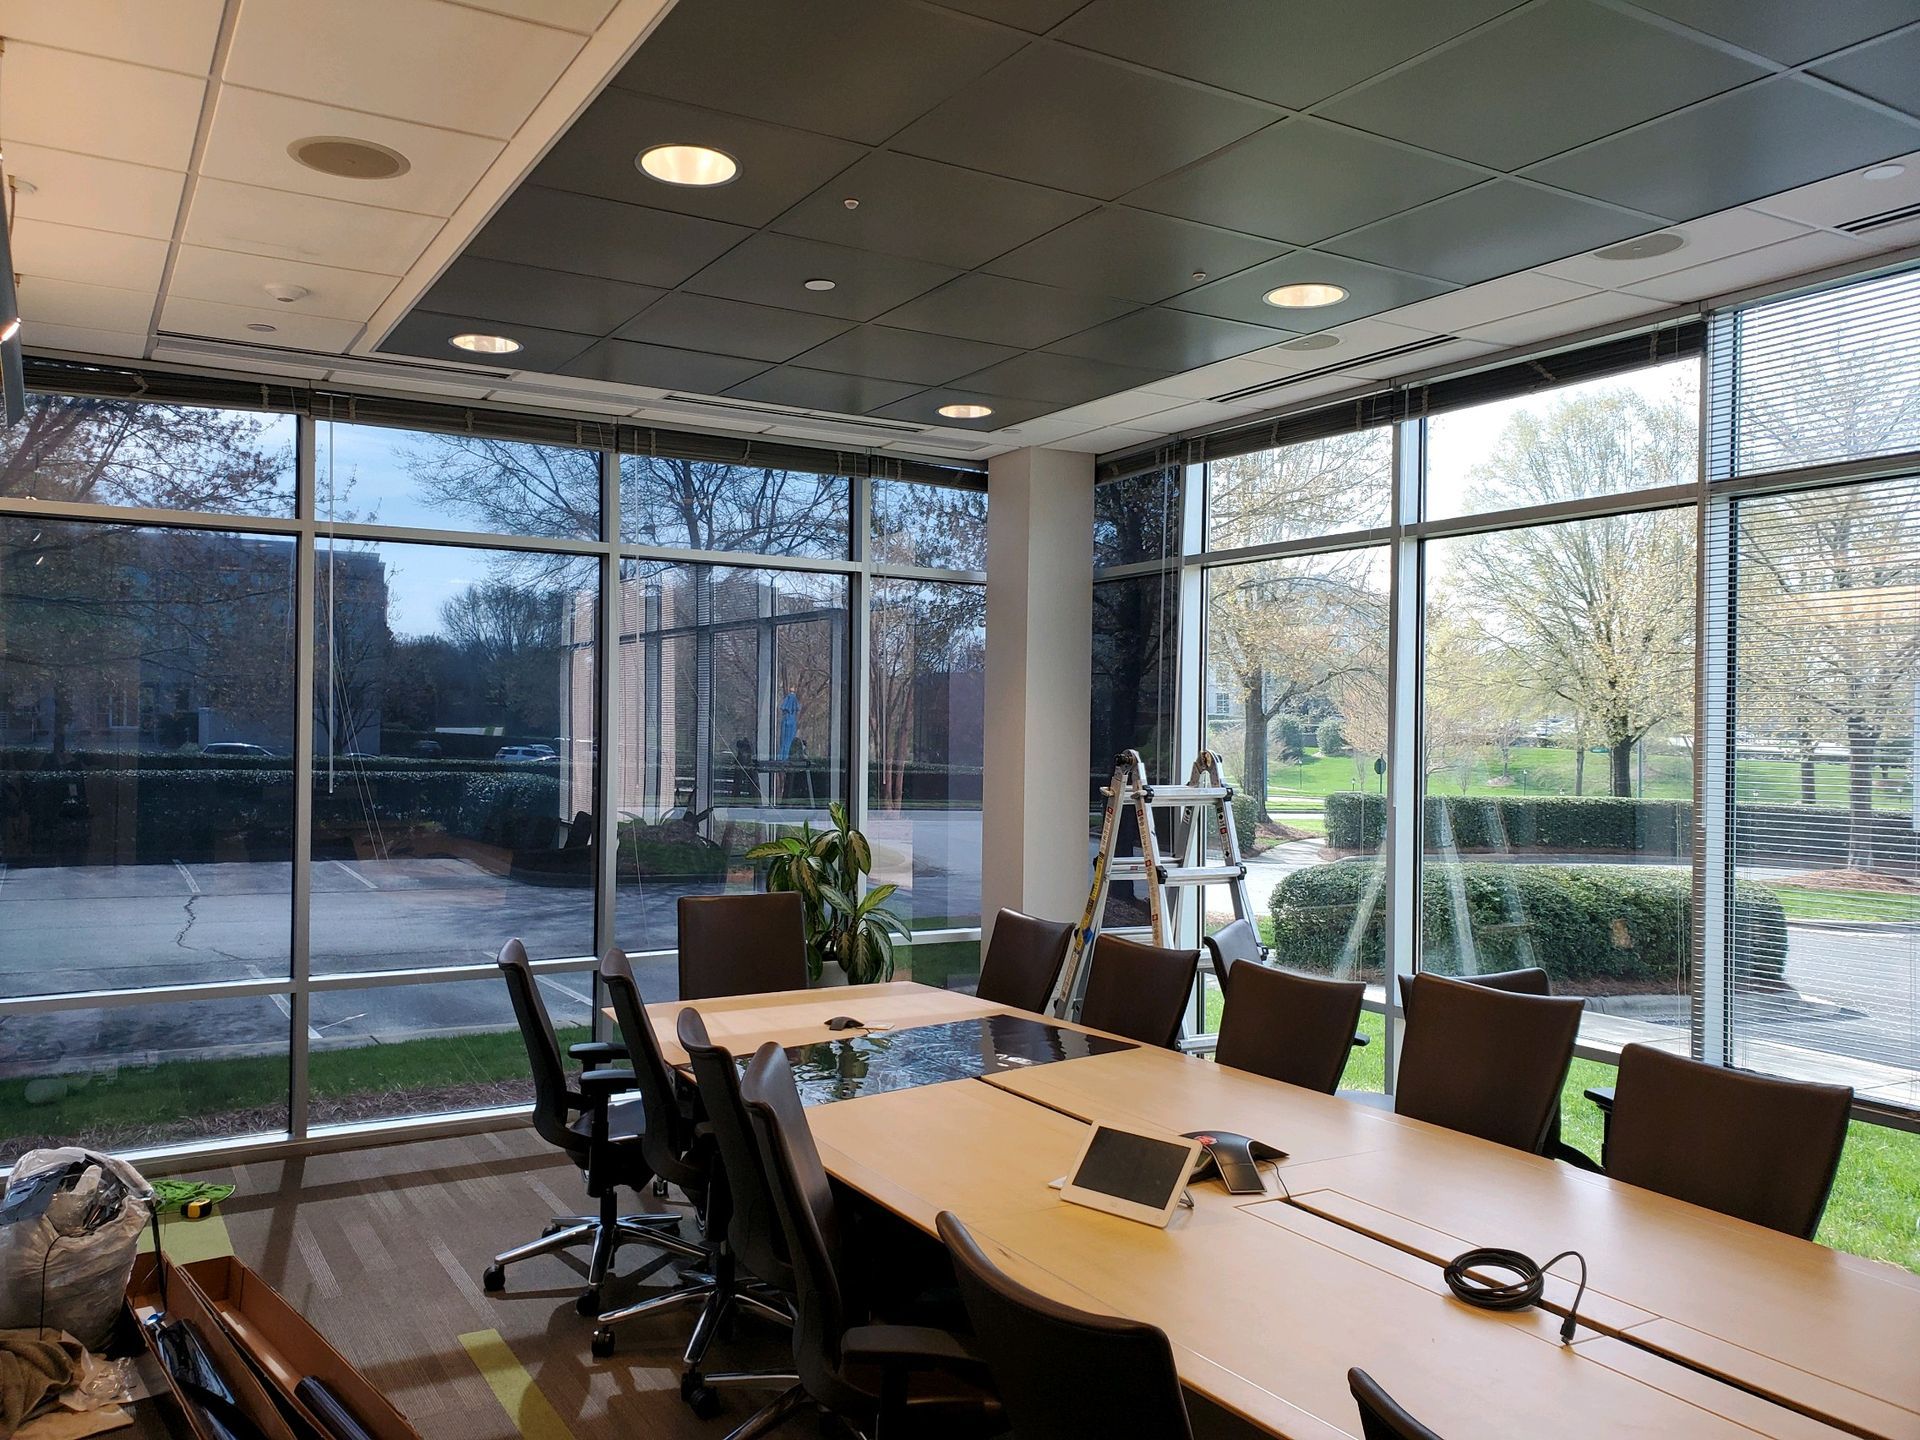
(1801, 903)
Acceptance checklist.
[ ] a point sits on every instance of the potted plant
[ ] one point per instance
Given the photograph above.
(825, 868)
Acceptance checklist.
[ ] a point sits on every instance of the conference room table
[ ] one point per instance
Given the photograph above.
(1693, 1323)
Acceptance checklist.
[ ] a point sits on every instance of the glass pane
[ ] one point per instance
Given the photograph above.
(1558, 681)
(734, 708)
(942, 526)
(1626, 432)
(436, 481)
(949, 965)
(165, 457)
(1318, 487)
(146, 725)
(453, 755)
(131, 1076)
(393, 1051)
(1137, 518)
(702, 505)
(1826, 963)
(1297, 710)
(928, 680)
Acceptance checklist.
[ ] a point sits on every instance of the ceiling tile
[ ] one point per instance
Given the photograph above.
(1303, 180)
(1843, 198)
(1294, 54)
(1780, 261)
(1134, 254)
(85, 341)
(858, 69)
(527, 295)
(928, 211)
(77, 102)
(1167, 340)
(1370, 289)
(1059, 379)
(1077, 122)
(1540, 81)
(1110, 440)
(1787, 32)
(1709, 238)
(202, 274)
(247, 218)
(770, 269)
(1557, 320)
(1035, 16)
(728, 327)
(90, 307)
(1493, 229)
(889, 354)
(99, 194)
(1888, 70)
(778, 165)
(821, 390)
(176, 36)
(181, 316)
(1172, 419)
(1453, 352)
(1211, 380)
(252, 130)
(630, 363)
(583, 16)
(1005, 312)
(95, 257)
(1492, 300)
(427, 334)
(924, 409)
(493, 70)
(1762, 139)
(590, 236)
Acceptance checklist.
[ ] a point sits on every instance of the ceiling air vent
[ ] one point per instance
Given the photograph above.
(1868, 223)
(778, 414)
(1398, 352)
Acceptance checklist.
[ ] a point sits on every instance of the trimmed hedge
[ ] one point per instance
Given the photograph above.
(1586, 924)
(1246, 820)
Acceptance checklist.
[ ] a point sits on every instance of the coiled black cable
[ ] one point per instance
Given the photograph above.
(1529, 1282)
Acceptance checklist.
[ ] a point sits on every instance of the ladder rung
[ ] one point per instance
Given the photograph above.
(1177, 874)
(1175, 794)
(1128, 932)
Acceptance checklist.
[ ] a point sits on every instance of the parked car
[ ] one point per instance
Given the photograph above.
(237, 747)
(519, 755)
(428, 749)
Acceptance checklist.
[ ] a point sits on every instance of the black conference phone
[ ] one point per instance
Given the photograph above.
(1234, 1158)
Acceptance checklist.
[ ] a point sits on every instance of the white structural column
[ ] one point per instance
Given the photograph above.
(1039, 683)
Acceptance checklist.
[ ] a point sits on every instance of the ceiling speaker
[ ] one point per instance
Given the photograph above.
(349, 159)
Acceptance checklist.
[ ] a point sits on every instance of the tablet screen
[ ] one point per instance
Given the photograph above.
(1136, 1168)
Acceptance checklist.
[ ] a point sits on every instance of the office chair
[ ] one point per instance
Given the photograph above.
(1381, 1417)
(751, 1271)
(1062, 1373)
(1232, 943)
(1139, 991)
(1486, 1062)
(599, 1133)
(1023, 961)
(741, 944)
(886, 1380)
(677, 1149)
(1747, 1145)
(1295, 1028)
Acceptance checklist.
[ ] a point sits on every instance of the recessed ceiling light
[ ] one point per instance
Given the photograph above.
(1645, 247)
(1311, 342)
(966, 412)
(1892, 170)
(820, 284)
(262, 327)
(485, 344)
(687, 164)
(1306, 296)
(349, 159)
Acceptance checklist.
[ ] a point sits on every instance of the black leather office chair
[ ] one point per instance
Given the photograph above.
(600, 1132)
(1751, 1146)
(1232, 943)
(741, 944)
(1381, 1417)
(1295, 1028)
(891, 1380)
(1062, 1373)
(1139, 991)
(1023, 961)
(751, 1271)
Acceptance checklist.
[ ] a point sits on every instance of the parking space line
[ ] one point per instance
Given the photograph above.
(193, 886)
(568, 991)
(344, 869)
(282, 1004)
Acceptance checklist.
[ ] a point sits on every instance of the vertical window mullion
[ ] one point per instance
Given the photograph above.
(1404, 827)
(305, 600)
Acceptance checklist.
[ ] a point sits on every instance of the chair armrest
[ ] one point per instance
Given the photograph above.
(597, 1085)
(597, 1051)
(912, 1347)
(1360, 1042)
(1602, 1095)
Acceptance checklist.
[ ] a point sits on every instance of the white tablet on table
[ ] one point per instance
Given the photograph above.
(1131, 1173)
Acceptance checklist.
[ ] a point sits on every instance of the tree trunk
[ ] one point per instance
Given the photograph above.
(1862, 743)
(62, 708)
(1253, 744)
(1620, 766)
(1579, 763)
(1809, 790)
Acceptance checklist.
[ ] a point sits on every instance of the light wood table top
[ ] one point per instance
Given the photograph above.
(742, 1023)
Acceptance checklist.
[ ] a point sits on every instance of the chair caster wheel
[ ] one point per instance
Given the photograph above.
(660, 1188)
(603, 1342)
(588, 1302)
(701, 1397)
(493, 1279)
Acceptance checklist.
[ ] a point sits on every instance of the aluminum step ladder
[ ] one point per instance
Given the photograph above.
(1203, 808)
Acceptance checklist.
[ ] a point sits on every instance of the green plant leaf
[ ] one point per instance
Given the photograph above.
(839, 900)
(877, 897)
(768, 850)
(838, 814)
(860, 852)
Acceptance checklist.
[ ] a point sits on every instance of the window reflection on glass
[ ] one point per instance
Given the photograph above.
(1137, 518)
(734, 695)
(453, 755)
(927, 719)
(705, 505)
(940, 526)
(146, 734)
(455, 481)
(164, 457)
(1317, 487)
